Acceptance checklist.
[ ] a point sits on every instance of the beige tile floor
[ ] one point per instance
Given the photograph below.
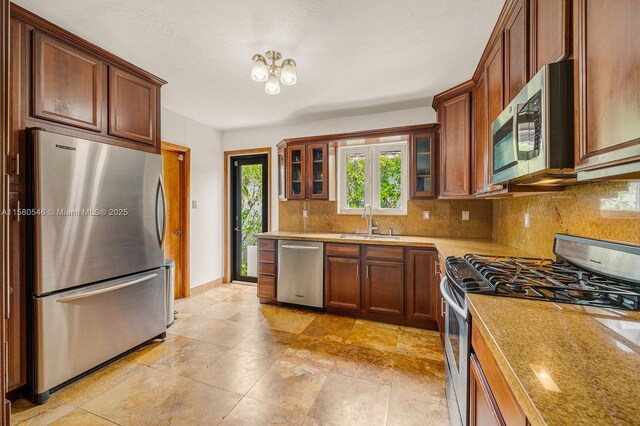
(229, 360)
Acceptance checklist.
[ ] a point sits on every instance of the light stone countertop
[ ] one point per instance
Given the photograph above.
(446, 246)
(566, 364)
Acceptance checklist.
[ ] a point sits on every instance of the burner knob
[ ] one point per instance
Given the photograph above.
(470, 283)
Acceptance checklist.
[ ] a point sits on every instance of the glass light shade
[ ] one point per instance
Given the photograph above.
(288, 74)
(272, 86)
(259, 71)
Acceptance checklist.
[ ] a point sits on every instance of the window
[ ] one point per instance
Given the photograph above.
(373, 174)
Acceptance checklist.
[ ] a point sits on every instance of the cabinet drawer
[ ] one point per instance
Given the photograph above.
(267, 268)
(266, 286)
(384, 253)
(343, 250)
(266, 256)
(268, 245)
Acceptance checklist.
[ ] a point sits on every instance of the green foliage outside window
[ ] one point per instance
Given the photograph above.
(251, 212)
(355, 181)
(390, 179)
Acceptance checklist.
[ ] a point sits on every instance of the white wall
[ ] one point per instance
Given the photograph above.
(261, 137)
(206, 188)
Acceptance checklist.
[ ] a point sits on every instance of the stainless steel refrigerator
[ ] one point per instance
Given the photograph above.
(95, 236)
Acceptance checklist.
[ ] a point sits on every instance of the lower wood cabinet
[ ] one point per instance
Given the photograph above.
(384, 288)
(422, 286)
(267, 270)
(343, 283)
(491, 400)
(483, 409)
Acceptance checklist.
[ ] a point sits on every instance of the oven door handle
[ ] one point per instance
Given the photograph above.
(450, 300)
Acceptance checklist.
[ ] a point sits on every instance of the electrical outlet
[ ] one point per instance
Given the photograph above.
(194, 204)
(426, 214)
(527, 220)
(305, 213)
(465, 215)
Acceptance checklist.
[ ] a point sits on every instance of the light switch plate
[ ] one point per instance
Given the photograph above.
(527, 220)
(194, 204)
(465, 215)
(305, 213)
(426, 214)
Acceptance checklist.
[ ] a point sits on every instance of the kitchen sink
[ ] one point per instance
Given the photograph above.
(368, 237)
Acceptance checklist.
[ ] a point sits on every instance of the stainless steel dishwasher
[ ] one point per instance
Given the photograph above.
(301, 273)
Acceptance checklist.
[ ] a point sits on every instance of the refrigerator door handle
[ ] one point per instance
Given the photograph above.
(161, 233)
(106, 290)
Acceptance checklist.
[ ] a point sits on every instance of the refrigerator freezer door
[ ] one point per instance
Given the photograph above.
(80, 329)
(100, 211)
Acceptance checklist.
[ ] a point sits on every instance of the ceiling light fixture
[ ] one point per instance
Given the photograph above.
(266, 73)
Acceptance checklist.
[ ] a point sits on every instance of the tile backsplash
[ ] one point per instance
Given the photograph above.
(445, 218)
(608, 211)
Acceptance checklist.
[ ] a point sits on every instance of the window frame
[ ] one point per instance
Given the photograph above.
(372, 155)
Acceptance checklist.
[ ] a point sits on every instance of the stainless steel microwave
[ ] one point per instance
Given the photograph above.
(532, 139)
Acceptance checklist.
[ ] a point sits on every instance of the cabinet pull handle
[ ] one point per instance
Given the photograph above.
(18, 212)
(367, 271)
(358, 271)
(18, 164)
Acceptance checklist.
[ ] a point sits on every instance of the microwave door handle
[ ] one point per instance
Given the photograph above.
(444, 290)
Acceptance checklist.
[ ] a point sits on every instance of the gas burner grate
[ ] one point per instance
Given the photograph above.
(554, 281)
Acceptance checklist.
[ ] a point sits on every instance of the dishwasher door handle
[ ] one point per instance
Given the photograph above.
(300, 247)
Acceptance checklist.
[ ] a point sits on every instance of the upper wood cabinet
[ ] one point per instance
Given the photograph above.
(454, 116)
(317, 171)
(549, 30)
(67, 84)
(296, 172)
(133, 107)
(307, 171)
(422, 153)
(422, 286)
(480, 145)
(606, 39)
(516, 49)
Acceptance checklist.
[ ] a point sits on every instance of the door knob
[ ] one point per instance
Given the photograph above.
(176, 232)
(236, 229)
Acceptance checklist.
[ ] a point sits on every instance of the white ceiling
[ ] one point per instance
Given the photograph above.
(353, 56)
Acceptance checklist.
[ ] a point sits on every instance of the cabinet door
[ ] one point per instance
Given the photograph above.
(317, 176)
(455, 146)
(483, 409)
(282, 173)
(422, 288)
(608, 54)
(16, 329)
(549, 32)
(67, 84)
(495, 101)
(384, 288)
(343, 283)
(296, 187)
(516, 50)
(132, 107)
(422, 154)
(480, 162)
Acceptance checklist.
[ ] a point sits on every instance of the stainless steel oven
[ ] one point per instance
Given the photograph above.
(456, 348)
(532, 139)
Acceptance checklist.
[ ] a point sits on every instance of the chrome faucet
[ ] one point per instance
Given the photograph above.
(370, 227)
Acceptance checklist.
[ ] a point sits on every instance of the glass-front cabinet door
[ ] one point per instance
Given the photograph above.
(423, 165)
(317, 171)
(296, 176)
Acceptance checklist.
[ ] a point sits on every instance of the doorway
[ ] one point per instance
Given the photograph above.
(249, 213)
(177, 169)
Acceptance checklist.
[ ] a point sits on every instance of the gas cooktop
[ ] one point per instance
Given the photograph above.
(586, 272)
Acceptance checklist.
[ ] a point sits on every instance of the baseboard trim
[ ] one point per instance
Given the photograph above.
(205, 287)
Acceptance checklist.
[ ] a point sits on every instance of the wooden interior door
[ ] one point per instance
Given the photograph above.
(174, 185)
